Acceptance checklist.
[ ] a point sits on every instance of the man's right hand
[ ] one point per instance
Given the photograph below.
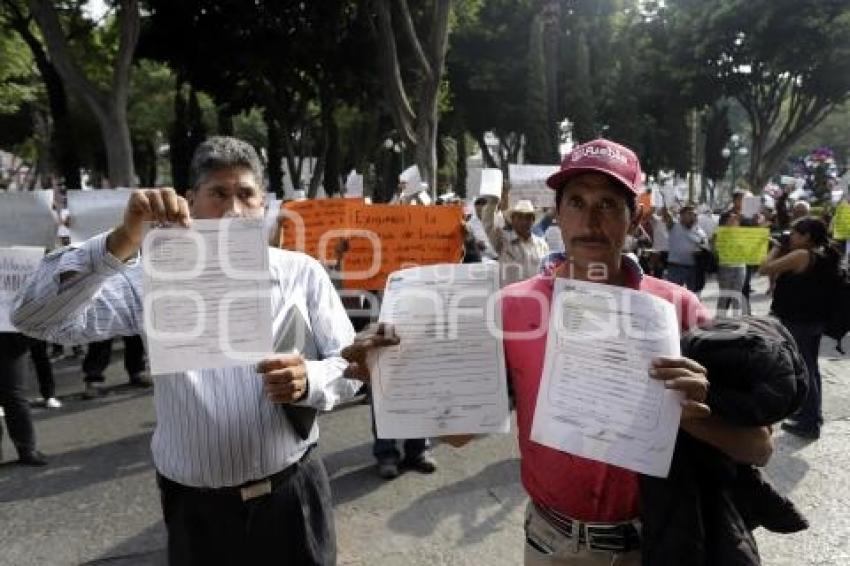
(369, 340)
(147, 205)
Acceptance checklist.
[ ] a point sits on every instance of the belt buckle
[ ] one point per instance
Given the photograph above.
(254, 490)
(576, 527)
(594, 529)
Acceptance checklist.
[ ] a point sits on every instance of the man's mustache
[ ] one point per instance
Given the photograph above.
(590, 240)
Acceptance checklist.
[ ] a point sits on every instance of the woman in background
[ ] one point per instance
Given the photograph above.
(804, 271)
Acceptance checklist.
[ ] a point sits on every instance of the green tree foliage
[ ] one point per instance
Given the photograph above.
(787, 62)
(293, 60)
(487, 67)
(17, 83)
(105, 98)
(150, 110)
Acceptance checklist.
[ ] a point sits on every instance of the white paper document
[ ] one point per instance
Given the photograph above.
(750, 206)
(93, 212)
(596, 398)
(207, 295)
(27, 219)
(447, 375)
(16, 265)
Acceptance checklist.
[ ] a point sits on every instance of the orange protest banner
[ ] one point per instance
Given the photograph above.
(306, 222)
(385, 238)
(381, 238)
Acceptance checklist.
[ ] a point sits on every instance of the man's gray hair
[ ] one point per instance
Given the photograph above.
(222, 152)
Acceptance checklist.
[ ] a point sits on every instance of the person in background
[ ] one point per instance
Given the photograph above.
(547, 228)
(730, 277)
(685, 240)
(14, 348)
(44, 374)
(477, 228)
(804, 273)
(520, 251)
(660, 243)
(800, 209)
(99, 356)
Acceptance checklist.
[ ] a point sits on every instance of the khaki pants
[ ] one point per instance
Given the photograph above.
(546, 546)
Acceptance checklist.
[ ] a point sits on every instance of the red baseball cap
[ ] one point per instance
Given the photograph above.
(600, 156)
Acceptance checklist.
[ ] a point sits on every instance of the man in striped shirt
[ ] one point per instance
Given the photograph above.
(237, 476)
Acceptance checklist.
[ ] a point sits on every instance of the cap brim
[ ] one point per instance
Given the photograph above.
(557, 180)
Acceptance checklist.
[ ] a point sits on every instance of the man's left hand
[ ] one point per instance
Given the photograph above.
(285, 377)
(687, 376)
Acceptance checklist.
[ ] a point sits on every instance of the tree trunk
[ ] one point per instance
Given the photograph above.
(119, 149)
(551, 49)
(332, 162)
(108, 106)
(425, 152)
(62, 145)
(489, 160)
(460, 186)
(178, 152)
(429, 62)
(538, 129)
(292, 163)
(275, 156)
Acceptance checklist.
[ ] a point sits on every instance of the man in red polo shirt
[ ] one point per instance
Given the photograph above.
(582, 511)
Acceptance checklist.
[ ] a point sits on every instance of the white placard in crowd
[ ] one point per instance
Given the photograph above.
(528, 182)
(447, 376)
(491, 183)
(27, 219)
(669, 196)
(207, 295)
(354, 185)
(750, 206)
(410, 176)
(656, 199)
(596, 398)
(93, 212)
(16, 265)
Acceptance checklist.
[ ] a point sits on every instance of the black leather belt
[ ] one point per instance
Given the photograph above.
(608, 537)
(247, 491)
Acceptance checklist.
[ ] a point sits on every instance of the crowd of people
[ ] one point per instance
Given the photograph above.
(232, 480)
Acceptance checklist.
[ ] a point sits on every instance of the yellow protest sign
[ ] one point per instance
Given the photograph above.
(740, 244)
(841, 222)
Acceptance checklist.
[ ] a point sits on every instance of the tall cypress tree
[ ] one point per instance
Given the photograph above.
(538, 142)
(580, 98)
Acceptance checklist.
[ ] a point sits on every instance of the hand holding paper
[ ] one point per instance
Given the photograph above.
(284, 377)
(150, 205)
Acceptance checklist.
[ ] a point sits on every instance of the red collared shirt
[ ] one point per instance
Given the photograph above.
(583, 489)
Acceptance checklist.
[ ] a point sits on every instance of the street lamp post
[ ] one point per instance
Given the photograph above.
(733, 150)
